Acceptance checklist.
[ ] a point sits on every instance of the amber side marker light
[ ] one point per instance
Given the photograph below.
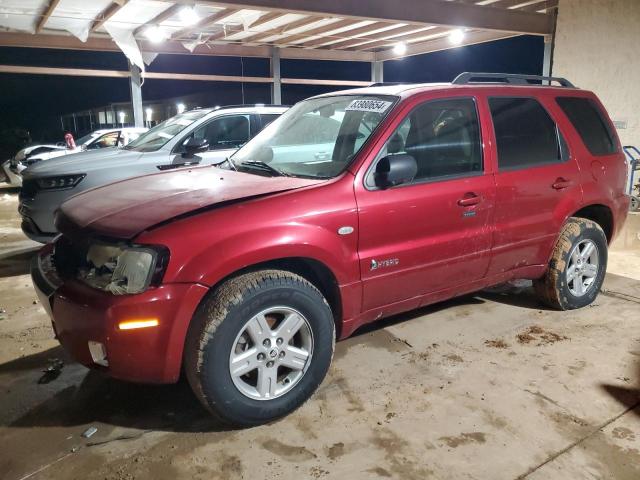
(135, 324)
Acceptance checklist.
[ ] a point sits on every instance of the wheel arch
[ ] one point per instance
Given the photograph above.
(311, 269)
(601, 214)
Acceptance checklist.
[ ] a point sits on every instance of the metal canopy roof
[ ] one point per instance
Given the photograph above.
(358, 30)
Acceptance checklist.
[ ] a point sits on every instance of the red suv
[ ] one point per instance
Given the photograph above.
(351, 207)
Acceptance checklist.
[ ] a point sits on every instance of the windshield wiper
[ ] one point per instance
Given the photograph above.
(226, 160)
(265, 167)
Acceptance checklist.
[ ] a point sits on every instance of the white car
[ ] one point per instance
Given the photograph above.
(104, 138)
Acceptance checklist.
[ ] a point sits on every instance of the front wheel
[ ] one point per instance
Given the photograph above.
(577, 267)
(259, 346)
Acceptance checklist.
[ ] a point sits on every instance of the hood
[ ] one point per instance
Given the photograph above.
(126, 208)
(83, 162)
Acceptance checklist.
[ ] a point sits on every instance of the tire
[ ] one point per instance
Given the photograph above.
(230, 324)
(557, 288)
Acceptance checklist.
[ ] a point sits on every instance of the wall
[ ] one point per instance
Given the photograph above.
(597, 47)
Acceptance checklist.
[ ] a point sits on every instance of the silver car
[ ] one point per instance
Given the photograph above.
(203, 136)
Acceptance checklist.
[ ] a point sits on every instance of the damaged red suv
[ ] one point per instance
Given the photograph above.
(351, 207)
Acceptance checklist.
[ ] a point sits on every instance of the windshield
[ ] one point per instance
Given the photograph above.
(316, 138)
(159, 135)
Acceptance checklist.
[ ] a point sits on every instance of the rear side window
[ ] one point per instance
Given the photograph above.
(267, 118)
(525, 133)
(588, 120)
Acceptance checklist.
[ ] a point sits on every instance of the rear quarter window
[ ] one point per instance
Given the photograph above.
(588, 120)
(526, 135)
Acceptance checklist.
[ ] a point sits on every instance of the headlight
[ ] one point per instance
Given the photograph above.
(60, 182)
(122, 269)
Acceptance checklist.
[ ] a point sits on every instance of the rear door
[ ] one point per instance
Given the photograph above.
(433, 233)
(537, 181)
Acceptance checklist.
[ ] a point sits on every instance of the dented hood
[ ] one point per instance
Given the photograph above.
(126, 208)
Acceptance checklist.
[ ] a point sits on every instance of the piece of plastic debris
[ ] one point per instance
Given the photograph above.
(35, 302)
(89, 432)
(52, 371)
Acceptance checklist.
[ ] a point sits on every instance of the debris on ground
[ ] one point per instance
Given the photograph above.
(496, 343)
(89, 432)
(3, 314)
(52, 371)
(537, 333)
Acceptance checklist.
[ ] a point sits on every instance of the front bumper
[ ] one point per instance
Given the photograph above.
(81, 314)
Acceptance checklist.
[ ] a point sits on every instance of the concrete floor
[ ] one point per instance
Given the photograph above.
(489, 386)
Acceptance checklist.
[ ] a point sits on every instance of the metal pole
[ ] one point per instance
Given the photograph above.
(136, 95)
(547, 58)
(377, 72)
(276, 88)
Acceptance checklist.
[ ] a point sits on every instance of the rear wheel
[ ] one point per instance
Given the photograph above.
(577, 267)
(259, 346)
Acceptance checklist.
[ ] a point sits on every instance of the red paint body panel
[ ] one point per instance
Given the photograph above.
(217, 222)
(151, 355)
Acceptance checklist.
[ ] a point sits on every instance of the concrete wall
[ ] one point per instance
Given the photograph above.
(598, 48)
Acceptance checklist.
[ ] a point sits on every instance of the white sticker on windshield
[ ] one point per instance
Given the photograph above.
(164, 135)
(376, 106)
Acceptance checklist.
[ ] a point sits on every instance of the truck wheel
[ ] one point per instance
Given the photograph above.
(577, 267)
(259, 346)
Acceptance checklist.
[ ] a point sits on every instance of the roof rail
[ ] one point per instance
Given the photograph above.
(510, 78)
(250, 105)
(388, 84)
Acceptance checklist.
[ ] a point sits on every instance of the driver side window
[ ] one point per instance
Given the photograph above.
(443, 136)
(227, 132)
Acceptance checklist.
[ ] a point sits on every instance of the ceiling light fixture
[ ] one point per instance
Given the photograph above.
(188, 16)
(155, 34)
(456, 36)
(180, 107)
(400, 48)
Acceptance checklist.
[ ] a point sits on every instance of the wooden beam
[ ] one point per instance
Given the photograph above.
(265, 18)
(46, 15)
(425, 35)
(302, 22)
(158, 19)
(361, 32)
(205, 22)
(315, 31)
(105, 44)
(388, 35)
(436, 12)
(107, 13)
(359, 35)
(440, 44)
(87, 72)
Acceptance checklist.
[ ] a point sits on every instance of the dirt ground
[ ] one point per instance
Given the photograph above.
(489, 386)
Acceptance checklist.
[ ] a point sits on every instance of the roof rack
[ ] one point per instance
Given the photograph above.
(510, 78)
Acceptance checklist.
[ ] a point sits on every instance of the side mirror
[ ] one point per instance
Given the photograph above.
(193, 146)
(395, 170)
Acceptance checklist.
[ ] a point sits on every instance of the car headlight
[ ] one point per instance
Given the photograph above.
(60, 182)
(123, 269)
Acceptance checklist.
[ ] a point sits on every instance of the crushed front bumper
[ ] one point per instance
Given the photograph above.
(82, 316)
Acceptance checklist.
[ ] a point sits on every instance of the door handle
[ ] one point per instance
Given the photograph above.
(469, 200)
(561, 184)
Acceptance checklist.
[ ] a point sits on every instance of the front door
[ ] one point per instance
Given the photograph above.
(434, 232)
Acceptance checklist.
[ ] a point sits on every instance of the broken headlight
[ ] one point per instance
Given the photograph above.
(123, 269)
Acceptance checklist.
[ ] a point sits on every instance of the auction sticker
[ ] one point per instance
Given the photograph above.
(377, 106)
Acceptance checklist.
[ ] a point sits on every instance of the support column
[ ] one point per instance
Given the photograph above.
(135, 82)
(548, 55)
(276, 87)
(377, 72)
